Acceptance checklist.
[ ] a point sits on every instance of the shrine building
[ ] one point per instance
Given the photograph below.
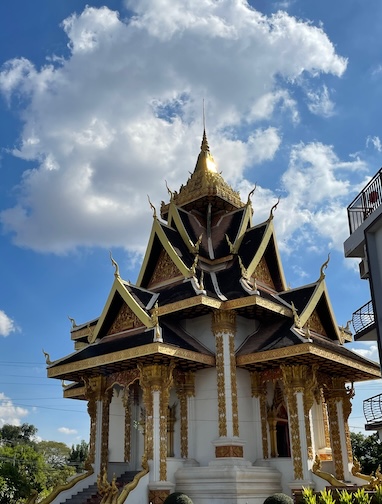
(209, 376)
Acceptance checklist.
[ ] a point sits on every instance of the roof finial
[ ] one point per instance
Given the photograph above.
(115, 264)
(271, 213)
(152, 207)
(204, 147)
(323, 268)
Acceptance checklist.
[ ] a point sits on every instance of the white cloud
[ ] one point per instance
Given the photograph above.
(369, 350)
(319, 102)
(66, 430)
(7, 325)
(375, 141)
(9, 413)
(107, 125)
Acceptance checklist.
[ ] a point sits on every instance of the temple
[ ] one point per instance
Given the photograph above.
(209, 375)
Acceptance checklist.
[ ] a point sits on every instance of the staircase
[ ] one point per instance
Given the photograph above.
(90, 495)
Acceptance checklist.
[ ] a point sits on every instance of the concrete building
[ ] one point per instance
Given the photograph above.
(365, 243)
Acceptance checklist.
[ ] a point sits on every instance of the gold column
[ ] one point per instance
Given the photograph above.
(127, 406)
(334, 393)
(157, 378)
(299, 379)
(106, 399)
(93, 393)
(185, 388)
(224, 323)
(259, 390)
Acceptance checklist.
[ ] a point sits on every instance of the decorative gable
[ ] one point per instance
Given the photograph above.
(165, 269)
(263, 274)
(126, 319)
(314, 324)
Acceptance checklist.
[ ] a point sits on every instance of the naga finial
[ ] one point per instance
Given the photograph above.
(230, 244)
(152, 207)
(115, 264)
(48, 362)
(194, 265)
(73, 322)
(323, 268)
(250, 194)
(271, 213)
(296, 318)
(171, 193)
(197, 244)
(243, 269)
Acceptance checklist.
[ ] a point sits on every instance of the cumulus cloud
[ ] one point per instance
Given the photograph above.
(9, 413)
(66, 430)
(7, 325)
(122, 112)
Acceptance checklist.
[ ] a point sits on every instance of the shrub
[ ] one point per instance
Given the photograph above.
(308, 496)
(178, 498)
(361, 497)
(344, 497)
(278, 498)
(326, 497)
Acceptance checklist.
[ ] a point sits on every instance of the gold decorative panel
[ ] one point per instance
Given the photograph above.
(229, 451)
(221, 385)
(158, 496)
(126, 319)
(262, 273)
(314, 324)
(164, 270)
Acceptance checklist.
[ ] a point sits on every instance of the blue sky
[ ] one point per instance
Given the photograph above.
(101, 102)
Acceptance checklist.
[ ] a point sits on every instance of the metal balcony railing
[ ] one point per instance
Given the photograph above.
(372, 409)
(363, 317)
(367, 201)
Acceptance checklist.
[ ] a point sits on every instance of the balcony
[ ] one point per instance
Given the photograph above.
(367, 201)
(363, 318)
(372, 409)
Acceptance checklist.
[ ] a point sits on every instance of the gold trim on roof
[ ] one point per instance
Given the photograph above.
(268, 235)
(131, 353)
(304, 349)
(119, 287)
(75, 392)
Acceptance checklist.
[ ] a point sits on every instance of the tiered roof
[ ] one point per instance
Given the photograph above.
(204, 254)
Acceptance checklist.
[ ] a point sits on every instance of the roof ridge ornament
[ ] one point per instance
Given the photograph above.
(73, 322)
(250, 194)
(48, 362)
(115, 264)
(271, 213)
(323, 268)
(296, 318)
(152, 207)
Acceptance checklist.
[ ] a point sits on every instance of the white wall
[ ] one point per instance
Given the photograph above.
(116, 428)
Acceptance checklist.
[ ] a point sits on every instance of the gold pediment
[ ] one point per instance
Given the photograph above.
(165, 269)
(314, 324)
(126, 319)
(263, 274)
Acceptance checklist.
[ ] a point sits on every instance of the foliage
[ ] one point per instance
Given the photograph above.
(345, 497)
(178, 498)
(378, 494)
(326, 497)
(361, 497)
(278, 498)
(14, 434)
(78, 455)
(27, 465)
(367, 450)
(308, 496)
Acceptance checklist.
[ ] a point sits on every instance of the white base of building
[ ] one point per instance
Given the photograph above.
(228, 481)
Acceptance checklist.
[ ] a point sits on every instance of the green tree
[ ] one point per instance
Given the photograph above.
(15, 434)
(56, 457)
(367, 450)
(78, 455)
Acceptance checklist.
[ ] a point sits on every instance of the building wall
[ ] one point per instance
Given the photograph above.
(116, 428)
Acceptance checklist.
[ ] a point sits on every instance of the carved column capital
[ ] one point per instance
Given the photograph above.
(224, 321)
